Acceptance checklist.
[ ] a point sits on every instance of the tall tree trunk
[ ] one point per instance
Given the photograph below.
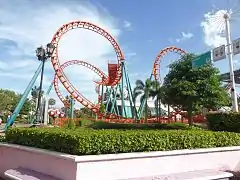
(160, 110)
(145, 111)
(190, 109)
(168, 114)
(157, 114)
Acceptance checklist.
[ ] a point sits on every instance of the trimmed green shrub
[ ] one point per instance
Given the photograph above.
(84, 123)
(90, 142)
(106, 125)
(71, 124)
(224, 122)
(2, 139)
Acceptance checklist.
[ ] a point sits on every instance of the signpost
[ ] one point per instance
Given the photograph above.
(202, 59)
(236, 46)
(219, 53)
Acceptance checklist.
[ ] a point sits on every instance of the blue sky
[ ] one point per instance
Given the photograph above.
(141, 27)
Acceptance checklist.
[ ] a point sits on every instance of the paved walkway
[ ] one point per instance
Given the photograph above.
(16, 125)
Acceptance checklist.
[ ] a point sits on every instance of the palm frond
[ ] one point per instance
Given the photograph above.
(143, 97)
(153, 93)
(140, 83)
(137, 88)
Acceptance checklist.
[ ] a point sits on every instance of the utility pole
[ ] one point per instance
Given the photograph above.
(230, 58)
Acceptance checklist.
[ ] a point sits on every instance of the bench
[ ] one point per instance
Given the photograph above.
(27, 174)
(193, 175)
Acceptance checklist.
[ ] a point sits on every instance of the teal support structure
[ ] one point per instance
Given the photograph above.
(122, 92)
(130, 93)
(141, 108)
(108, 92)
(143, 103)
(114, 103)
(128, 108)
(72, 102)
(49, 89)
(23, 98)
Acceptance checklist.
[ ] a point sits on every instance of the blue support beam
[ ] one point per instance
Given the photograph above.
(49, 89)
(140, 110)
(126, 111)
(72, 102)
(130, 93)
(122, 92)
(23, 98)
(109, 98)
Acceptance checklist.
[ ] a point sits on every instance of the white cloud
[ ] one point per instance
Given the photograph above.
(184, 37)
(127, 25)
(29, 27)
(187, 35)
(131, 54)
(213, 28)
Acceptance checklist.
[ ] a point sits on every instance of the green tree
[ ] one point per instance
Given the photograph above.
(51, 102)
(143, 89)
(85, 112)
(9, 100)
(26, 106)
(156, 92)
(193, 88)
(102, 108)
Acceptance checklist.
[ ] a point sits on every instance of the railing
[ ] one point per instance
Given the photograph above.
(160, 120)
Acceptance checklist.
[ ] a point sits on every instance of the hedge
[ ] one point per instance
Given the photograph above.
(124, 126)
(224, 122)
(2, 138)
(91, 142)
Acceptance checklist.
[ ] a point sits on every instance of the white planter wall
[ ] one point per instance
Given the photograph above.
(117, 166)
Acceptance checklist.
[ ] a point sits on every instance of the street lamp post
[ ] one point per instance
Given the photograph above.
(230, 58)
(42, 55)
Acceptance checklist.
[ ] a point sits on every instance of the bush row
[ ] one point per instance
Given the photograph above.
(2, 138)
(224, 122)
(90, 123)
(90, 142)
(124, 126)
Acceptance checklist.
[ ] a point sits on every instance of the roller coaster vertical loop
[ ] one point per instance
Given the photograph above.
(156, 68)
(61, 75)
(70, 63)
(160, 55)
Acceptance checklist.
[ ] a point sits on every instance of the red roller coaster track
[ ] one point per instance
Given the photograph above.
(59, 72)
(76, 62)
(105, 80)
(163, 52)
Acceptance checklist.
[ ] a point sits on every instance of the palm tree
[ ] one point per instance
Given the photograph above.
(143, 89)
(155, 91)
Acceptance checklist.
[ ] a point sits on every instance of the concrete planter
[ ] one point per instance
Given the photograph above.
(117, 166)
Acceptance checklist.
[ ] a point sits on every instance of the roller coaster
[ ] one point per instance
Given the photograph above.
(114, 89)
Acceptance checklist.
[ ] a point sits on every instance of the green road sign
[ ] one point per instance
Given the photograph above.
(202, 59)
